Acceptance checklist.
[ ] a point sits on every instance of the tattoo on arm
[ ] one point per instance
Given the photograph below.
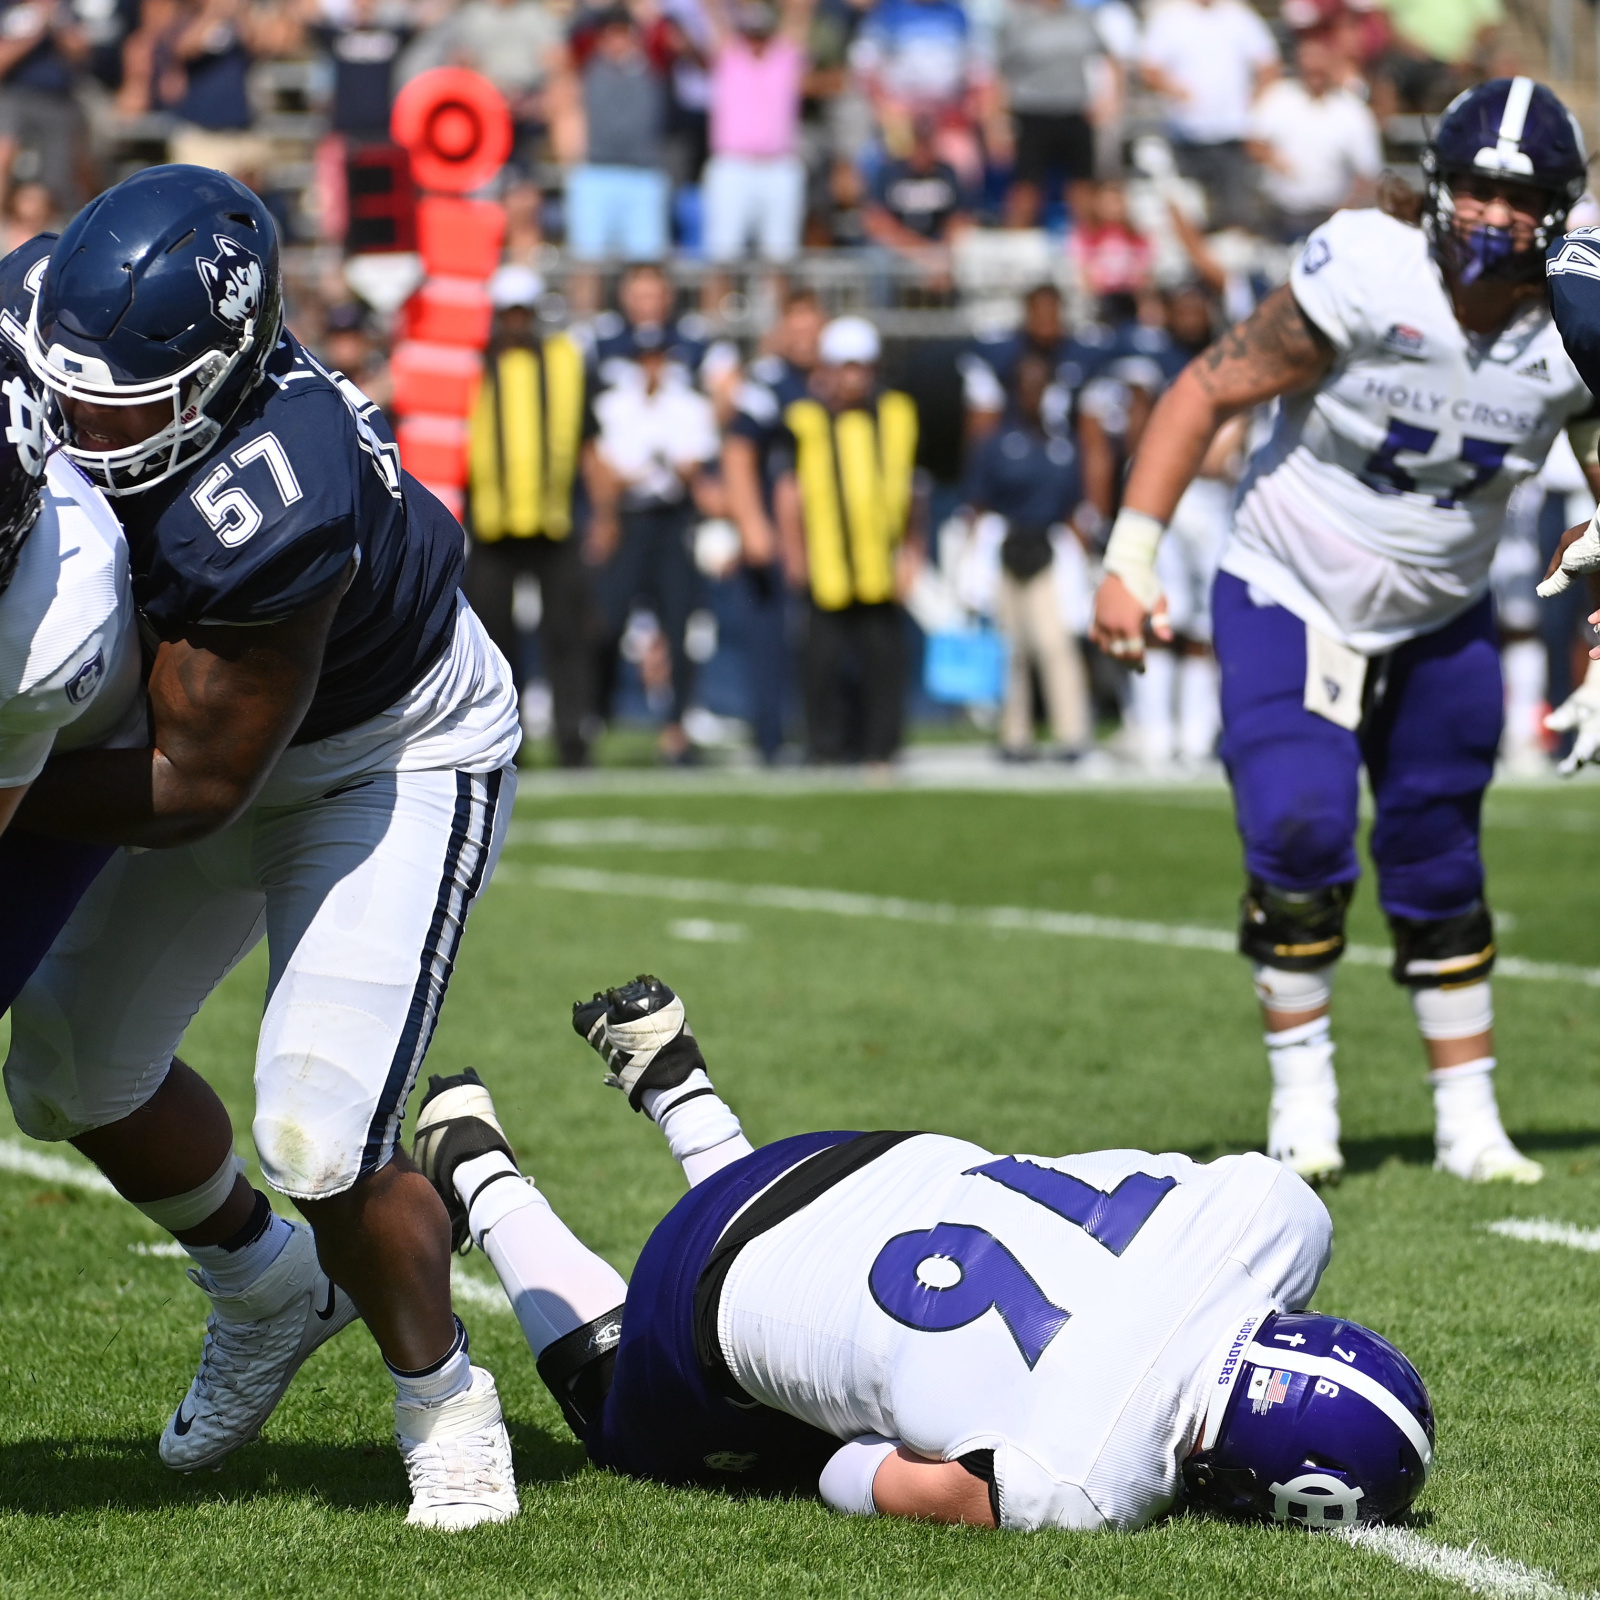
(1276, 350)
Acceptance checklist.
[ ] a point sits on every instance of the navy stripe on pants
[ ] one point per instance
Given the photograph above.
(465, 862)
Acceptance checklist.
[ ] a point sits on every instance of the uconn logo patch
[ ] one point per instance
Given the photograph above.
(87, 678)
(234, 280)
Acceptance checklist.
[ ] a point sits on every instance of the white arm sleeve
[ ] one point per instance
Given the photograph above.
(846, 1481)
(22, 757)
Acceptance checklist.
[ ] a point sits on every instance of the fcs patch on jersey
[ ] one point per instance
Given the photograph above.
(234, 279)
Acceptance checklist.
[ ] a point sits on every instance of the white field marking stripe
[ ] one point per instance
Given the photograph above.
(475, 1292)
(1473, 1569)
(1347, 1377)
(1008, 919)
(1542, 1230)
(18, 1158)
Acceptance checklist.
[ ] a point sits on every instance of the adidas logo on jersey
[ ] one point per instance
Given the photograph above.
(1539, 369)
(1406, 340)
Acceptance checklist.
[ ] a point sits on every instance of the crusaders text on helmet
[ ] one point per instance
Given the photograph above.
(1316, 1421)
(164, 289)
(1510, 131)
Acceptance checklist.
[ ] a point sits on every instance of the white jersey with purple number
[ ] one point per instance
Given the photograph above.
(69, 649)
(1074, 1315)
(1373, 510)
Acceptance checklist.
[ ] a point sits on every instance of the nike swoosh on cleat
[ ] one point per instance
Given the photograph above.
(327, 1310)
(181, 1424)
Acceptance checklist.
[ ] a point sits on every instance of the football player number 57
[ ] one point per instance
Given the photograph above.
(233, 516)
(944, 1277)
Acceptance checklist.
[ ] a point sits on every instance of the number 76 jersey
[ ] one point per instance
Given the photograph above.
(1077, 1316)
(1374, 509)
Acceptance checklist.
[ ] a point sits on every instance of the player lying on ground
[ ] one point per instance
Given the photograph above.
(1419, 379)
(327, 764)
(915, 1326)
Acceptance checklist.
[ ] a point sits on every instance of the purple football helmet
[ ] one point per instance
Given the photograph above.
(1317, 1421)
(1512, 130)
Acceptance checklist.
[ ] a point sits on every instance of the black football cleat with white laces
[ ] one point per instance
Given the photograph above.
(642, 1035)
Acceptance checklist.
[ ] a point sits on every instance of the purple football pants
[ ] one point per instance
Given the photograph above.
(1434, 712)
(41, 881)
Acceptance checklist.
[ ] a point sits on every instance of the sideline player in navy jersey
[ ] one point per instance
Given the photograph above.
(1420, 379)
(330, 765)
(757, 450)
(910, 1325)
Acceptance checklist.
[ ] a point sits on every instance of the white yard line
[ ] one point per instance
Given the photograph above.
(1000, 919)
(1542, 1230)
(1474, 1569)
(475, 1292)
(29, 1163)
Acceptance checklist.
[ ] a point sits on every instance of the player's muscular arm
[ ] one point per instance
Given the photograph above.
(908, 1485)
(1277, 350)
(224, 703)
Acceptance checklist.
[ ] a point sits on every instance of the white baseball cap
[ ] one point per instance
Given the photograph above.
(512, 285)
(849, 339)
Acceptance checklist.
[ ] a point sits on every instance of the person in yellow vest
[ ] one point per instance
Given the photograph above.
(529, 444)
(849, 519)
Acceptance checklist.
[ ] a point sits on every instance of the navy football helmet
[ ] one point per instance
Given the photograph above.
(166, 288)
(1516, 131)
(1323, 1423)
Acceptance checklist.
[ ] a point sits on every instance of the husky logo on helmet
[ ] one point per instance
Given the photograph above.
(234, 280)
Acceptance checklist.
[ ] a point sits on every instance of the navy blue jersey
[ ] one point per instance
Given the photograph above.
(1075, 358)
(771, 385)
(1030, 478)
(689, 344)
(1144, 357)
(303, 479)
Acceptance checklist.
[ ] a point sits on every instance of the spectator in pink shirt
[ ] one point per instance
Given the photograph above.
(755, 181)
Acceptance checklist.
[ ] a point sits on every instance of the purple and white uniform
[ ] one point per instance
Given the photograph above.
(1352, 614)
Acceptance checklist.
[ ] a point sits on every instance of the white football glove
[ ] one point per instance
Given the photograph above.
(1579, 714)
(1580, 557)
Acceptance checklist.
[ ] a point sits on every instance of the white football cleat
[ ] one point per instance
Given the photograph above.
(1303, 1133)
(255, 1343)
(458, 1458)
(1485, 1154)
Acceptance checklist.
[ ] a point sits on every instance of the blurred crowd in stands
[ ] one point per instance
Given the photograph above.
(826, 327)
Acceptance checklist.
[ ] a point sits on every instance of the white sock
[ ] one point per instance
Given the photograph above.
(231, 1272)
(1152, 694)
(701, 1132)
(1525, 667)
(1199, 714)
(441, 1380)
(554, 1282)
(1303, 1081)
(1463, 1100)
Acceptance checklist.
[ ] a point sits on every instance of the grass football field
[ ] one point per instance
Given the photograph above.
(883, 990)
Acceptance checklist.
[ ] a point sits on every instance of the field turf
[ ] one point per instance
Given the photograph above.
(1025, 1039)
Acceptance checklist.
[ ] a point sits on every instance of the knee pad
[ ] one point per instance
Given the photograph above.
(1309, 989)
(578, 1368)
(1293, 930)
(1461, 1011)
(1438, 951)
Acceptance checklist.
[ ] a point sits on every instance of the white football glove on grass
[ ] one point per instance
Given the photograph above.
(1579, 714)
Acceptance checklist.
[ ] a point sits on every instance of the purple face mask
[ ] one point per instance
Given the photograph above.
(1483, 253)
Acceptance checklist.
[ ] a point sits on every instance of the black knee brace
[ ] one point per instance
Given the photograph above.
(1292, 930)
(577, 1369)
(1437, 953)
